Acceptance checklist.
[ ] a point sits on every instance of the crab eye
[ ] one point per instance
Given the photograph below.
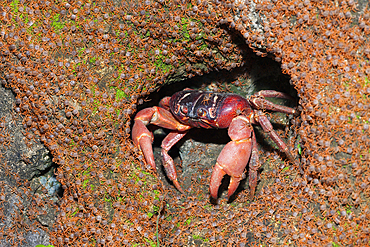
(184, 109)
(201, 112)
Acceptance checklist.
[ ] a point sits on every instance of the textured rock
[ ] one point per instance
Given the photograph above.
(25, 169)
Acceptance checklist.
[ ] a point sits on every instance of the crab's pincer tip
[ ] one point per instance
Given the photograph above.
(177, 185)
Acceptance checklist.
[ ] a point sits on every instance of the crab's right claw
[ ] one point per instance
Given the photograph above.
(231, 161)
(234, 156)
(143, 139)
(216, 178)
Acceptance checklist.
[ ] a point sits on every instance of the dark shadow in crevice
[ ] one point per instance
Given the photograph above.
(52, 170)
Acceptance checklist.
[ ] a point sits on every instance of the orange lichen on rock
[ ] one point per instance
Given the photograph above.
(80, 69)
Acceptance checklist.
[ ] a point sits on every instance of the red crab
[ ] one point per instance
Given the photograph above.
(191, 108)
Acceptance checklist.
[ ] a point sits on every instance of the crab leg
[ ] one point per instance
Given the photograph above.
(168, 142)
(267, 127)
(254, 165)
(259, 102)
(234, 156)
(273, 94)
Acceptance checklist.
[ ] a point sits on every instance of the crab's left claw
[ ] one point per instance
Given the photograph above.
(234, 156)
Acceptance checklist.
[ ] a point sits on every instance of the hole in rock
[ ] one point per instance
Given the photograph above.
(197, 152)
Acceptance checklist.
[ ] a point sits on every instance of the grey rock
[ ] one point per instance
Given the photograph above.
(26, 170)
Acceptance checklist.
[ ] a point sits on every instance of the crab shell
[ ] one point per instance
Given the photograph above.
(207, 110)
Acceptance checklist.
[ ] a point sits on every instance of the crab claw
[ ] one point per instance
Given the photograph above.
(232, 164)
(143, 139)
(234, 157)
(216, 178)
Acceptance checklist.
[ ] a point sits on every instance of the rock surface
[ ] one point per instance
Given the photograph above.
(26, 169)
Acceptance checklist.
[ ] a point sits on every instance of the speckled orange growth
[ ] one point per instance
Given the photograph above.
(79, 70)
